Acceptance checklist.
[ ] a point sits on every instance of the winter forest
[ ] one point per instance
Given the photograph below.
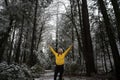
(28, 27)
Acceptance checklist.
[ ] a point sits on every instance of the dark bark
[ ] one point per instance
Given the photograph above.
(105, 63)
(79, 12)
(87, 42)
(109, 56)
(76, 30)
(73, 43)
(111, 37)
(32, 57)
(40, 34)
(6, 2)
(4, 39)
(72, 4)
(102, 61)
(5, 35)
(102, 37)
(25, 47)
(117, 15)
(80, 21)
(18, 50)
(11, 47)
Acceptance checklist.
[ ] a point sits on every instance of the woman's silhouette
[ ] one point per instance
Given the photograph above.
(59, 57)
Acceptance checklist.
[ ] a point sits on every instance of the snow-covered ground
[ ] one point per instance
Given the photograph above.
(49, 76)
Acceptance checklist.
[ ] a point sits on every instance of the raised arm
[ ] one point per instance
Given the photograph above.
(52, 50)
(67, 51)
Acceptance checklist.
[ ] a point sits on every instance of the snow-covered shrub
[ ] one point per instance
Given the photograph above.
(26, 70)
(37, 70)
(13, 72)
(72, 68)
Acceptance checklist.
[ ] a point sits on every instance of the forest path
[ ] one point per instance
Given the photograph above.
(49, 75)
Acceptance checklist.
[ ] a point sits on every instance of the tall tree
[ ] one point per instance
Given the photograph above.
(87, 42)
(72, 18)
(117, 15)
(17, 55)
(72, 15)
(111, 37)
(5, 35)
(11, 46)
(32, 57)
(80, 22)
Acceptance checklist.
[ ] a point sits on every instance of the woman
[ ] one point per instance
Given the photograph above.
(59, 56)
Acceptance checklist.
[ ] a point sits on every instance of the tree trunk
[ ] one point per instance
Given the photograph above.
(4, 39)
(6, 2)
(5, 35)
(81, 26)
(32, 57)
(76, 30)
(105, 63)
(109, 56)
(102, 37)
(117, 15)
(40, 34)
(26, 38)
(18, 51)
(111, 37)
(72, 7)
(11, 46)
(87, 42)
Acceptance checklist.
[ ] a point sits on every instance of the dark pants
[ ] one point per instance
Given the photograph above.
(59, 69)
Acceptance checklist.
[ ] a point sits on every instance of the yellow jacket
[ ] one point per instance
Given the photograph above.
(60, 59)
